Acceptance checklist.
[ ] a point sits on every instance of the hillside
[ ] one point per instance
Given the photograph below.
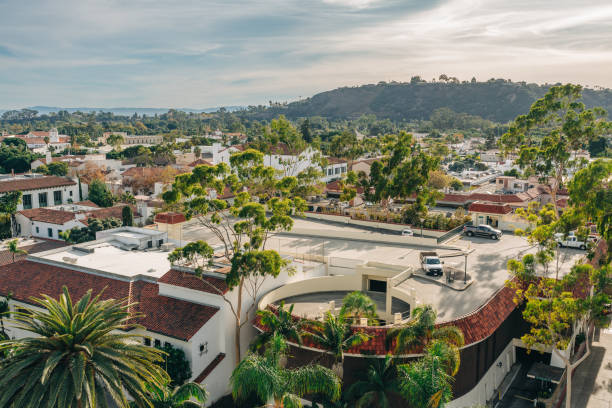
(496, 100)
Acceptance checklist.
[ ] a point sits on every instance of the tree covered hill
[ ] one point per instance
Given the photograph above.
(498, 100)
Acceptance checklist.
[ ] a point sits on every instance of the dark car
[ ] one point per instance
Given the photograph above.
(482, 231)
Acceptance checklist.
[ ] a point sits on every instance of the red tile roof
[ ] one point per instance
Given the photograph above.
(34, 183)
(334, 186)
(209, 368)
(476, 326)
(114, 211)
(490, 208)
(51, 216)
(41, 245)
(148, 171)
(168, 316)
(186, 280)
(87, 203)
(170, 218)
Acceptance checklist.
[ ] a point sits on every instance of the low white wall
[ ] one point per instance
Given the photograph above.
(313, 285)
(372, 224)
(364, 236)
(489, 383)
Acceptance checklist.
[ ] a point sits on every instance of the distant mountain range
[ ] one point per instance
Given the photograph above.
(125, 111)
(497, 100)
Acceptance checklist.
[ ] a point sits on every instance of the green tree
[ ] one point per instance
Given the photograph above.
(591, 195)
(177, 397)
(8, 205)
(5, 310)
(13, 248)
(127, 216)
(548, 136)
(175, 364)
(242, 226)
(78, 235)
(334, 335)
(378, 387)
(281, 387)
(356, 305)
(115, 140)
(57, 168)
(421, 330)
(280, 323)
(557, 316)
(75, 356)
(100, 194)
(427, 383)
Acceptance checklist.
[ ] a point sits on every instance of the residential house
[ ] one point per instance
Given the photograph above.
(335, 169)
(497, 215)
(173, 305)
(363, 165)
(41, 191)
(36, 140)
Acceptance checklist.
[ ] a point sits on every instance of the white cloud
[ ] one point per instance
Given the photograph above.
(193, 53)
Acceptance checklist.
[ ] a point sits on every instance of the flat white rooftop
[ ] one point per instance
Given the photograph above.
(110, 259)
(129, 234)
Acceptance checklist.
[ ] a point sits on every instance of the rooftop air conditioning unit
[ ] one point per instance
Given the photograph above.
(69, 260)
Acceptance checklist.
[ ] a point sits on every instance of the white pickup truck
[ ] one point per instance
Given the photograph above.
(431, 264)
(571, 241)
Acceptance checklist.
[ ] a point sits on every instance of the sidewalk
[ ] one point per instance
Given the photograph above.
(592, 382)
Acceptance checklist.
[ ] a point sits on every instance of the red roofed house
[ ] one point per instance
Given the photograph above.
(496, 215)
(178, 308)
(41, 191)
(335, 169)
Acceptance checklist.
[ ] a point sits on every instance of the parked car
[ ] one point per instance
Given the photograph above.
(482, 231)
(430, 262)
(571, 241)
(407, 232)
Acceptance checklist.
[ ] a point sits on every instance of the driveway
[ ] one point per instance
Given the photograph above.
(592, 382)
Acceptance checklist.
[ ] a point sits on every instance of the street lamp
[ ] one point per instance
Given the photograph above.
(466, 252)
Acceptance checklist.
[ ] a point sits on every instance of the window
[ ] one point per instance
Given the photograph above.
(330, 172)
(70, 193)
(42, 199)
(27, 201)
(37, 230)
(157, 343)
(337, 170)
(50, 232)
(57, 197)
(166, 344)
(161, 241)
(150, 244)
(147, 341)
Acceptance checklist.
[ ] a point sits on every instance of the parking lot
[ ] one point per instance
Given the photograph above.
(486, 263)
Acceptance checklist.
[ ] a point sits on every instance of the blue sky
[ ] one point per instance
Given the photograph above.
(200, 53)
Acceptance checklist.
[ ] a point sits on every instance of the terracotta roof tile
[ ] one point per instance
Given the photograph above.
(51, 216)
(190, 281)
(170, 218)
(490, 208)
(34, 183)
(168, 316)
(42, 245)
(209, 368)
(476, 326)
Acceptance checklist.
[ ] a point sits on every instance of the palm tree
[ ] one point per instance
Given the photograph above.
(4, 310)
(427, 383)
(263, 376)
(421, 330)
(357, 305)
(179, 397)
(281, 323)
(335, 335)
(379, 384)
(76, 358)
(14, 249)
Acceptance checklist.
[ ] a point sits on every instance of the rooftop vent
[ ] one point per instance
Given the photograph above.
(69, 260)
(152, 270)
(87, 250)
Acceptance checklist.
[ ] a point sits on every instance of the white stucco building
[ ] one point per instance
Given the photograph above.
(41, 191)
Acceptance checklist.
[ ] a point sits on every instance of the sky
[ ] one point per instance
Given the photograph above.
(209, 53)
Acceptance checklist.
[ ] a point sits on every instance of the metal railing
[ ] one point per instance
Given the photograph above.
(452, 233)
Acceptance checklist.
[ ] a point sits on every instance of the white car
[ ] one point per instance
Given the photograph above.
(407, 232)
(571, 241)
